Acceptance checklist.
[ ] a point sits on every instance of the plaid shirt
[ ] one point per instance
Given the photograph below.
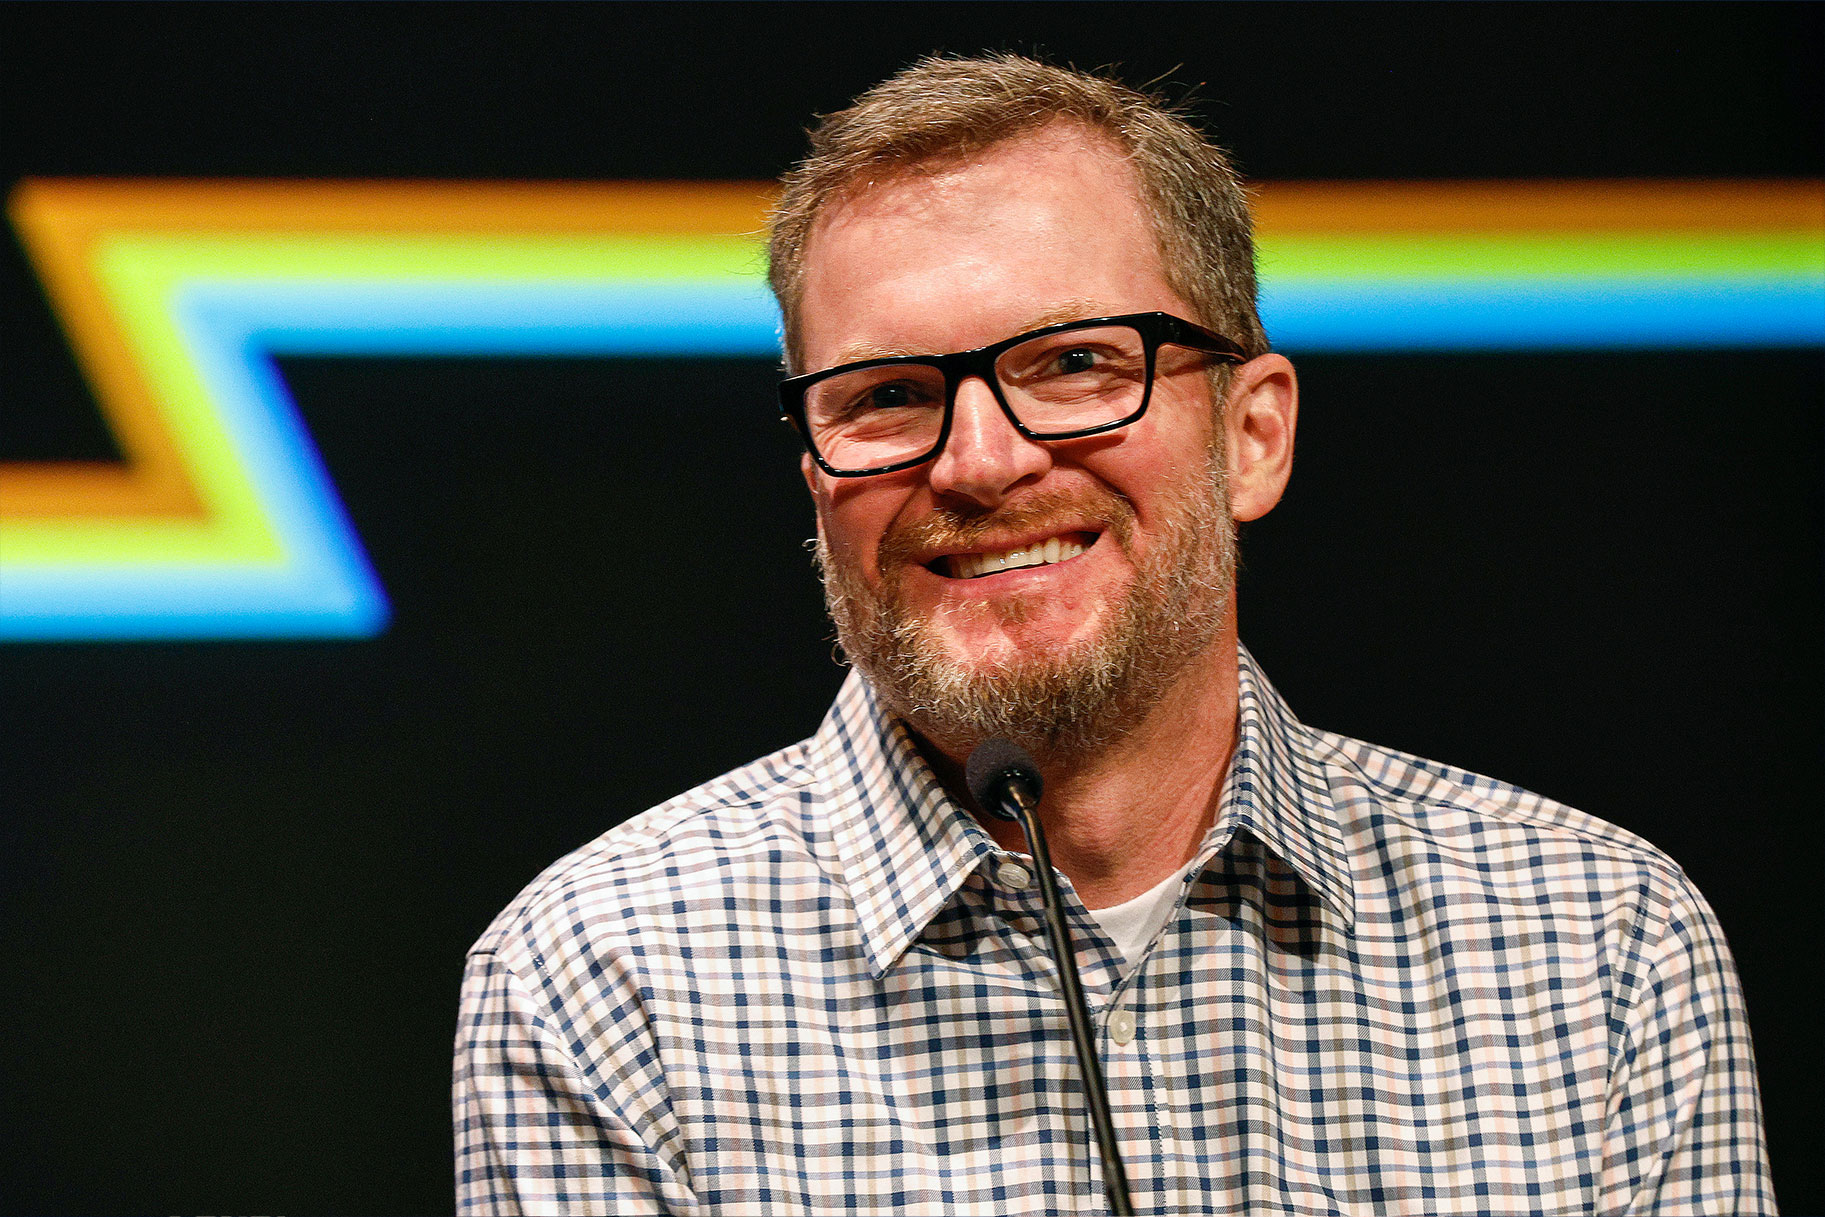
(816, 986)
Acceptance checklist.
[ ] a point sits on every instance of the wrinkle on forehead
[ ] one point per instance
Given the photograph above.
(1069, 310)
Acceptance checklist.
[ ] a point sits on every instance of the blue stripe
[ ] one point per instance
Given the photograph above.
(734, 317)
(328, 588)
(1583, 314)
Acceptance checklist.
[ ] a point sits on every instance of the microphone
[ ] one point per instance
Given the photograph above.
(1006, 784)
(1000, 769)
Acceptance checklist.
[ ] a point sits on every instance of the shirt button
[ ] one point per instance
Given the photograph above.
(1013, 876)
(1121, 1027)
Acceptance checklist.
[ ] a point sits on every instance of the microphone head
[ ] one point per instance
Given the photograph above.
(995, 765)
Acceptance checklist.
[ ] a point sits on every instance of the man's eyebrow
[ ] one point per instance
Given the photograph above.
(1069, 310)
(860, 351)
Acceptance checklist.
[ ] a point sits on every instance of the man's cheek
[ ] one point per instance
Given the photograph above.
(835, 541)
(852, 559)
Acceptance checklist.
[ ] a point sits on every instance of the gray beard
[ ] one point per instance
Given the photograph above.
(1059, 706)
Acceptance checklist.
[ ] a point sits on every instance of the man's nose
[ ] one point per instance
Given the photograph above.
(985, 458)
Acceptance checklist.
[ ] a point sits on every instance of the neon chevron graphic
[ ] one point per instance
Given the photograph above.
(223, 523)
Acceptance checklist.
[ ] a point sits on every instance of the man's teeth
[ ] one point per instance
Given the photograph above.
(1055, 549)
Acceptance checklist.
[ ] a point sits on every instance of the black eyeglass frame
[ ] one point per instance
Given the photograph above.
(1155, 329)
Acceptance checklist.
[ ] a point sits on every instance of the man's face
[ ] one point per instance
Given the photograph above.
(1072, 652)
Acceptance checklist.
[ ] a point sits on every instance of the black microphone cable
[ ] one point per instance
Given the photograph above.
(1005, 782)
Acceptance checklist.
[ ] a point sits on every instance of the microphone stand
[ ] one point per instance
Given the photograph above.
(1006, 783)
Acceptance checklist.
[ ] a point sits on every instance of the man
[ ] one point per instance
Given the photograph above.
(1325, 977)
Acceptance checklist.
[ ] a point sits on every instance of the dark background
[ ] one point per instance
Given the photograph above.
(239, 878)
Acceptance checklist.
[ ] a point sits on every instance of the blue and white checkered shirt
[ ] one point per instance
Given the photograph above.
(812, 986)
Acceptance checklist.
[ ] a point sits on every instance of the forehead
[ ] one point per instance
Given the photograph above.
(1046, 227)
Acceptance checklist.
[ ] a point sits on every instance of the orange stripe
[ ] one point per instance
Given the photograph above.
(68, 489)
(82, 208)
(93, 205)
(154, 479)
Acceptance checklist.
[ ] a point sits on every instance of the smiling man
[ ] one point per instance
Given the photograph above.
(1324, 977)
(1073, 594)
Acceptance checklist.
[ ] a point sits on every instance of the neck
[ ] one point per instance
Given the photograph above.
(1120, 821)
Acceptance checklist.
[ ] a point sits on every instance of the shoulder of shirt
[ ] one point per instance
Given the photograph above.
(748, 815)
(1457, 809)
(1515, 846)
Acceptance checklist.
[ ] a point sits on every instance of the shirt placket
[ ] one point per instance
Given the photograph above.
(1144, 1122)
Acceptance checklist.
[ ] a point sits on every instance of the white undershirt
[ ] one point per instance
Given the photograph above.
(1133, 923)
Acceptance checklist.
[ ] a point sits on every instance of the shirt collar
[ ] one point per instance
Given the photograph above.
(1277, 789)
(904, 846)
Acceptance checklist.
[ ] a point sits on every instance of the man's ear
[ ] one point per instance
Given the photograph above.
(808, 469)
(1259, 416)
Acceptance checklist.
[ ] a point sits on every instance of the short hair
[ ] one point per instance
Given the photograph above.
(945, 109)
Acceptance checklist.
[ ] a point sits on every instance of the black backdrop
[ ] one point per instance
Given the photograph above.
(239, 877)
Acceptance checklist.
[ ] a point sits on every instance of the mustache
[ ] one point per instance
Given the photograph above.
(949, 527)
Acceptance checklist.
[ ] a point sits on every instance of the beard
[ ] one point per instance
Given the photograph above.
(1059, 704)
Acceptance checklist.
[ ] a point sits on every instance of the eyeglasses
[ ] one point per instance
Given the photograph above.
(1060, 382)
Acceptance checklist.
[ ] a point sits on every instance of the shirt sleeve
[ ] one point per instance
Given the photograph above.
(1683, 1129)
(538, 1130)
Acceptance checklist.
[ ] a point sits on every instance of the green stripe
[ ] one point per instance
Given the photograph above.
(480, 256)
(1544, 256)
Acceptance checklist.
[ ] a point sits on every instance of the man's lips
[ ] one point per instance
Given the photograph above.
(957, 545)
(1020, 555)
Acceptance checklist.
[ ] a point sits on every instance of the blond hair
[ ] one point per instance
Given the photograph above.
(942, 110)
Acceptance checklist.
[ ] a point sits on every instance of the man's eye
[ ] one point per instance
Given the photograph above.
(886, 397)
(1077, 359)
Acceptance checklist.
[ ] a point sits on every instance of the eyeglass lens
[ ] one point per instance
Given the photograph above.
(1055, 384)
